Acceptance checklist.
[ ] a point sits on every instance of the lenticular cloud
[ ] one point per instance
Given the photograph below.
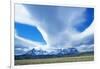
(58, 32)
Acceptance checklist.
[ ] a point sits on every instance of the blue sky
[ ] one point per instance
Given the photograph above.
(29, 32)
(58, 24)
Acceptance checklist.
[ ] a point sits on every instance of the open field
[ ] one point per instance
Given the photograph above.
(55, 60)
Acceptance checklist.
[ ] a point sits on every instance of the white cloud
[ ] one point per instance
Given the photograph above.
(24, 45)
(85, 48)
(20, 10)
(72, 16)
(88, 31)
(23, 16)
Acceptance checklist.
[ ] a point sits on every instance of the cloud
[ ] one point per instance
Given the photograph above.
(85, 48)
(20, 51)
(59, 32)
(72, 16)
(23, 45)
(23, 16)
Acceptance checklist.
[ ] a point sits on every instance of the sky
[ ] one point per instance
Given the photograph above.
(49, 27)
(29, 32)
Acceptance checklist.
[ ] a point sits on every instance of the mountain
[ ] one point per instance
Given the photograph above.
(34, 54)
(69, 51)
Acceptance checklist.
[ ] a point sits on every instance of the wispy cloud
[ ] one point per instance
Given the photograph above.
(23, 16)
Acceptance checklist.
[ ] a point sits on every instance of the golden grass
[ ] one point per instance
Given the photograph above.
(54, 60)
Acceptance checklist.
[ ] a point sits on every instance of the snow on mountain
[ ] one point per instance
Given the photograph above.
(70, 51)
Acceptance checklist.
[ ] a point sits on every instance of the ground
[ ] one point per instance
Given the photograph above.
(55, 60)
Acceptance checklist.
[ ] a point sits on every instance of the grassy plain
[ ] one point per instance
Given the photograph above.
(55, 60)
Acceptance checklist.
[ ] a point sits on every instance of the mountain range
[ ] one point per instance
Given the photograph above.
(37, 54)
